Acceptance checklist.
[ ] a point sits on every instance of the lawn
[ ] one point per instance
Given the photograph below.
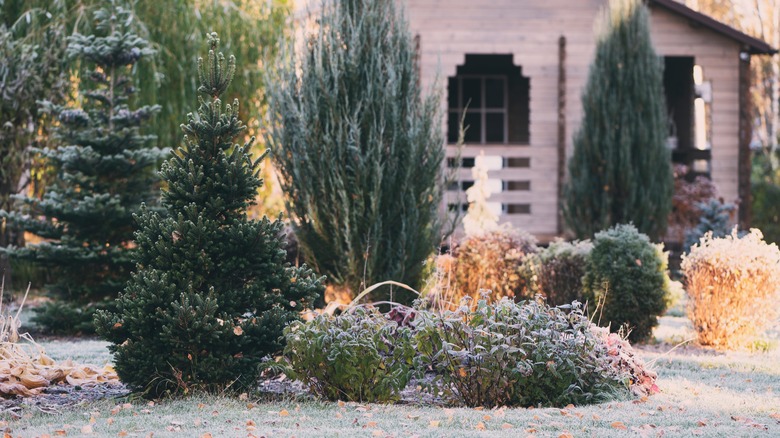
(703, 393)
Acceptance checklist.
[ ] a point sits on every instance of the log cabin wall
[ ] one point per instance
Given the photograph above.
(526, 173)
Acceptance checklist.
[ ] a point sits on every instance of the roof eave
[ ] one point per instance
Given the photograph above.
(751, 45)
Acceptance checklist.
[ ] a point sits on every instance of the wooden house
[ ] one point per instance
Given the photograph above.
(523, 65)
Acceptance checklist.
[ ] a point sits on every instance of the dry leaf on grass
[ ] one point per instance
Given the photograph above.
(618, 425)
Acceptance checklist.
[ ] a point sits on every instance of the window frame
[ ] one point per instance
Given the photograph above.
(483, 110)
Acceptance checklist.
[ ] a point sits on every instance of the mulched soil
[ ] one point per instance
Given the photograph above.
(56, 398)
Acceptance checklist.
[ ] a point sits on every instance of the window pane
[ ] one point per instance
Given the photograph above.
(472, 93)
(494, 93)
(452, 93)
(494, 128)
(453, 126)
(473, 125)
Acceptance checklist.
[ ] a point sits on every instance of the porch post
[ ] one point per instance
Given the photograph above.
(745, 136)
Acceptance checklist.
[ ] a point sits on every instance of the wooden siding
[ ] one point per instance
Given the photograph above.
(530, 31)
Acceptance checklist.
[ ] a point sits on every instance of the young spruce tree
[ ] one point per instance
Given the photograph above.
(104, 170)
(621, 169)
(359, 150)
(211, 293)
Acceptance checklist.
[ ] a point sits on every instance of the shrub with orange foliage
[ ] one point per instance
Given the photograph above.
(733, 285)
(491, 260)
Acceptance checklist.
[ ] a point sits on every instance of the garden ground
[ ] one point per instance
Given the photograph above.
(703, 393)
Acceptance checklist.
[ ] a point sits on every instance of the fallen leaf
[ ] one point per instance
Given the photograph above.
(596, 417)
(150, 404)
(618, 425)
(570, 406)
(122, 433)
(480, 426)
(87, 430)
(377, 433)
(531, 430)
(371, 424)
(201, 406)
(487, 417)
(435, 423)
(565, 435)
(127, 406)
(775, 415)
(338, 415)
(479, 408)
(238, 331)
(250, 423)
(506, 426)
(412, 416)
(341, 404)
(116, 410)
(60, 432)
(206, 435)
(284, 413)
(110, 421)
(701, 423)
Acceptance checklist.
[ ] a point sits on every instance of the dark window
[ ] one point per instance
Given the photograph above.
(491, 96)
(517, 162)
(512, 186)
(517, 208)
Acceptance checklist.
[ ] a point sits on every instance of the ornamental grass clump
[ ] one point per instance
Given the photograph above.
(733, 285)
(556, 271)
(508, 354)
(359, 356)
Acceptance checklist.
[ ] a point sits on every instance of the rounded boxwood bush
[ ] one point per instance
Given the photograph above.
(626, 281)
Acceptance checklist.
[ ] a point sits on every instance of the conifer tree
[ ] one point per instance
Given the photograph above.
(211, 292)
(104, 167)
(620, 171)
(358, 147)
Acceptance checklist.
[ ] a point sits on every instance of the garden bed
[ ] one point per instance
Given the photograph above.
(702, 394)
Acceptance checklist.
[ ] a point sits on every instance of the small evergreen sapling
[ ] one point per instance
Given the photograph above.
(212, 292)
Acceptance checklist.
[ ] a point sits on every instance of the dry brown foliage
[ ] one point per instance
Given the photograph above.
(488, 261)
(733, 285)
(25, 369)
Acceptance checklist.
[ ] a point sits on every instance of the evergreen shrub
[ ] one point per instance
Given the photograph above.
(359, 148)
(626, 281)
(357, 356)
(715, 217)
(508, 354)
(733, 286)
(556, 271)
(212, 292)
(620, 170)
